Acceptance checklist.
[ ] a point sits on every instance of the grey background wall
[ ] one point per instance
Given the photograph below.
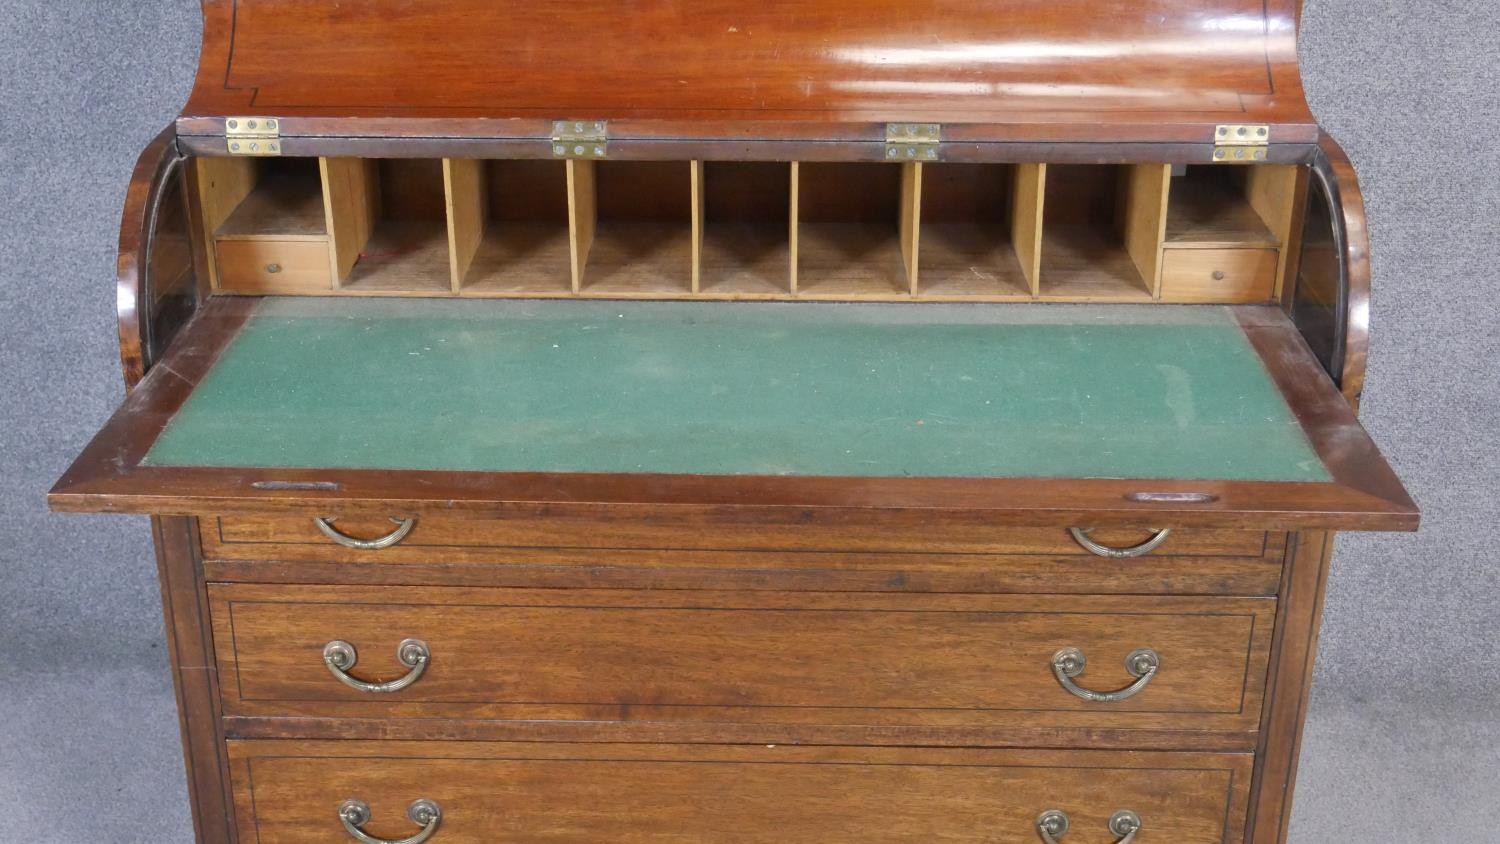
(1404, 736)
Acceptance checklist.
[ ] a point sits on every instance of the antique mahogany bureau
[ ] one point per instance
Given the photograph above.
(743, 422)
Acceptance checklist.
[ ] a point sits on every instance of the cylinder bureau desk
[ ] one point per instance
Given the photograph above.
(747, 423)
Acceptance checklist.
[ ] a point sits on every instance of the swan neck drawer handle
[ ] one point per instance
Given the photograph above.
(1053, 824)
(424, 813)
(403, 527)
(1070, 662)
(1081, 536)
(340, 656)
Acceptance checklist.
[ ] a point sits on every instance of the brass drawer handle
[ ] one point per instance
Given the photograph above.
(424, 813)
(1070, 662)
(403, 527)
(1081, 536)
(1053, 824)
(340, 656)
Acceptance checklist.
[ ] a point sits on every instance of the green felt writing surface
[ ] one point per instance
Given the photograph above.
(742, 389)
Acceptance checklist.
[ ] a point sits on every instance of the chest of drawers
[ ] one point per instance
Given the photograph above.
(729, 422)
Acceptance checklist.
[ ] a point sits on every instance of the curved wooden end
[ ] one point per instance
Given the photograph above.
(132, 300)
(1349, 205)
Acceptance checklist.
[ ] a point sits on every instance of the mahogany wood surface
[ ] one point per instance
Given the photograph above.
(1349, 217)
(195, 676)
(1300, 612)
(763, 658)
(722, 552)
(1013, 70)
(288, 791)
(131, 295)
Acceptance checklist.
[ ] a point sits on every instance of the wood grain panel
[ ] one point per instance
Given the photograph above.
(288, 792)
(1018, 70)
(725, 553)
(767, 658)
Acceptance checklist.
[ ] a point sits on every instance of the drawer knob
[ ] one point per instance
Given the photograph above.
(403, 527)
(1070, 662)
(424, 813)
(1053, 824)
(340, 656)
(1081, 536)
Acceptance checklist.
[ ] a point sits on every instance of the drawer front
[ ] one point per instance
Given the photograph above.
(760, 658)
(1218, 275)
(538, 549)
(273, 266)
(288, 792)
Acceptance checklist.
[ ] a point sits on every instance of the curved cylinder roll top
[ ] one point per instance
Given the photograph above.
(1030, 70)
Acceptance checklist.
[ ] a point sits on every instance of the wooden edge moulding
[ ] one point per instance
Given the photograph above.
(748, 230)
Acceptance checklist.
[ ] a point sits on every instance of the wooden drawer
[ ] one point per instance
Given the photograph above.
(300, 266)
(977, 667)
(289, 792)
(1218, 275)
(891, 552)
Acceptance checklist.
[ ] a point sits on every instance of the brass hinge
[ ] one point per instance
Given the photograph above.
(580, 138)
(1237, 142)
(253, 135)
(912, 141)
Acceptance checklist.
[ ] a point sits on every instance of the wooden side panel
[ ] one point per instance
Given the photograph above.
(351, 191)
(195, 675)
(1294, 650)
(911, 219)
(1275, 193)
(1026, 220)
(223, 183)
(675, 794)
(583, 216)
(1271, 189)
(467, 200)
(1144, 218)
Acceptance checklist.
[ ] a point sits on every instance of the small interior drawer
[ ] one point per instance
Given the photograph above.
(274, 266)
(291, 792)
(1218, 275)
(752, 657)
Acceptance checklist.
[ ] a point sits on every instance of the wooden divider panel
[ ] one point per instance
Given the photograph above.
(352, 197)
(1144, 216)
(1026, 220)
(583, 217)
(463, 184)
(911, 219)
